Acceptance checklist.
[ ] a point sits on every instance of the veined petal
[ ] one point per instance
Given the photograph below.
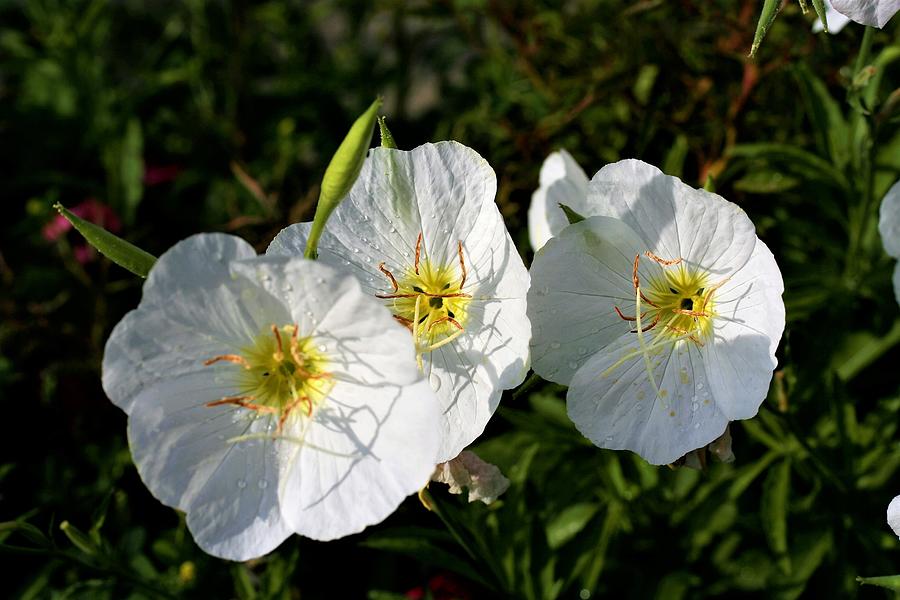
(868, 12)
(673, 219)
(576, 280)
(740, 356)
(613, 401)
(361, 455)
(562, 181)
(185, 455)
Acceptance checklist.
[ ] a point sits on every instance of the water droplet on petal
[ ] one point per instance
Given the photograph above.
(696, 425)
(435, 382)
(288, 288)
(555, 345)
(356, 250)
(262, 484)
(322, 347)
(321, 280)
(241, 483)
(573, 365)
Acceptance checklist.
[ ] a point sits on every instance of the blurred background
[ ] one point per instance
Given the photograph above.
(162, 119)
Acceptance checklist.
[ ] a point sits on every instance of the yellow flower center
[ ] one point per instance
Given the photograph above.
(429, 300)
(280, 374)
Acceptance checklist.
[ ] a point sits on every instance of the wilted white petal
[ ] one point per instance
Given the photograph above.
(562, 181)
(868, 12)
(484, 481)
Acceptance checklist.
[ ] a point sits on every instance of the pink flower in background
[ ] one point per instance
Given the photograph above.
(157, 174)
(441, 587)
(90, 210)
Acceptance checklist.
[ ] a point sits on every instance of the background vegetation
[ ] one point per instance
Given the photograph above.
(220, 116)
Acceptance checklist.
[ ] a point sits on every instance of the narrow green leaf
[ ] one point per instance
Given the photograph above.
(387, 140)
(423, 550)
(571, 215)
(804, 8)
(35, 535)
(766, 18)
(342, 172)
(569, 523)
(862, 349)
(710, 184)
(773, 512)
(673, 163)
(891, 582)
(819, 6)
(131, 169)
(124, 254)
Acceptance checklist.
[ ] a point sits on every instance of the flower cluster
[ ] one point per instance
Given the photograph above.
(274, 394)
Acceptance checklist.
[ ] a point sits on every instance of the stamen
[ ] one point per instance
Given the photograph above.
(389, 276)
(404, 321)
(232, 358)
(622, 316)
(462, 265)
(636, 281)
(279, 354)
(418, 251)
(243, 402)
(662, 261)
(650, 326)
(389, 296)
(447, 319)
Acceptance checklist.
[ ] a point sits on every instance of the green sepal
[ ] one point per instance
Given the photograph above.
(571, 215)
(766, 18)
(342, 172)
(819, 6)
(387, 140)
(891, 582)
(710, 184)
(125, 254)
(79, 539)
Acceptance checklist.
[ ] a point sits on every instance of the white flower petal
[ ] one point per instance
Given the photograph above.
(182, 451)
(484, 480)
(672, 218)
(889, 221)
(740, 356)
(444, 191)
(576, 279)
(616, 406)
(562, 181)
(190, 295)
(893, 515)
(363, 453)
(868, 12)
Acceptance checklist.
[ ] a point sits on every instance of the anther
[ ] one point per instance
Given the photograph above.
(418, 251)
(450, 320)
(243, 402)
(662, 261)
(232, 358)
(278, 355)
(462, 265)
(389, 276)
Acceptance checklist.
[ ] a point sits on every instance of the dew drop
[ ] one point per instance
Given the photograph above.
(582, 351)
(609, 437)
(321, 280)
(435, 382)
(573, 365)
(322, 347)
(553, 311)
(695, 405)
(241, 483)
(363, 240)
(393, 230)
(699, 385)
(262, 484)
(356, 250)
(696, 425)
(368, 259)
(288, 287)
(554, 345)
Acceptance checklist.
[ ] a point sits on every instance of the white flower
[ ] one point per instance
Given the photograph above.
(421, 231)
(562, 182)
(268, 395)
(484, 481)
(893, 515)
(662, 316)
(836, 21)
(889, 228)
(868, 12)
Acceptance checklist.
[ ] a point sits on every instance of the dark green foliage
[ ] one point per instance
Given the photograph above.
(222, 116)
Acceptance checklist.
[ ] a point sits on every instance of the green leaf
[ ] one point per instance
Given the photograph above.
(673, 164)
(773, 512)
(824, 112)
(766, 18)
(891, 582)
(765, 182)
(569, 523)
(571, 215)
(131, 169)
(387, 140)
(342, 172)
(819, 6)
(861, 349)
(423, 549)
(124, 254)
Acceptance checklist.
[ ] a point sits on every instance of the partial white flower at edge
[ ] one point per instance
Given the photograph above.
(268, 395)
(658, 359)
(867, 12)
(484, 481)
(562, 181)
(889, 228)
(836, 20)
(893, 515)
(421, 231)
